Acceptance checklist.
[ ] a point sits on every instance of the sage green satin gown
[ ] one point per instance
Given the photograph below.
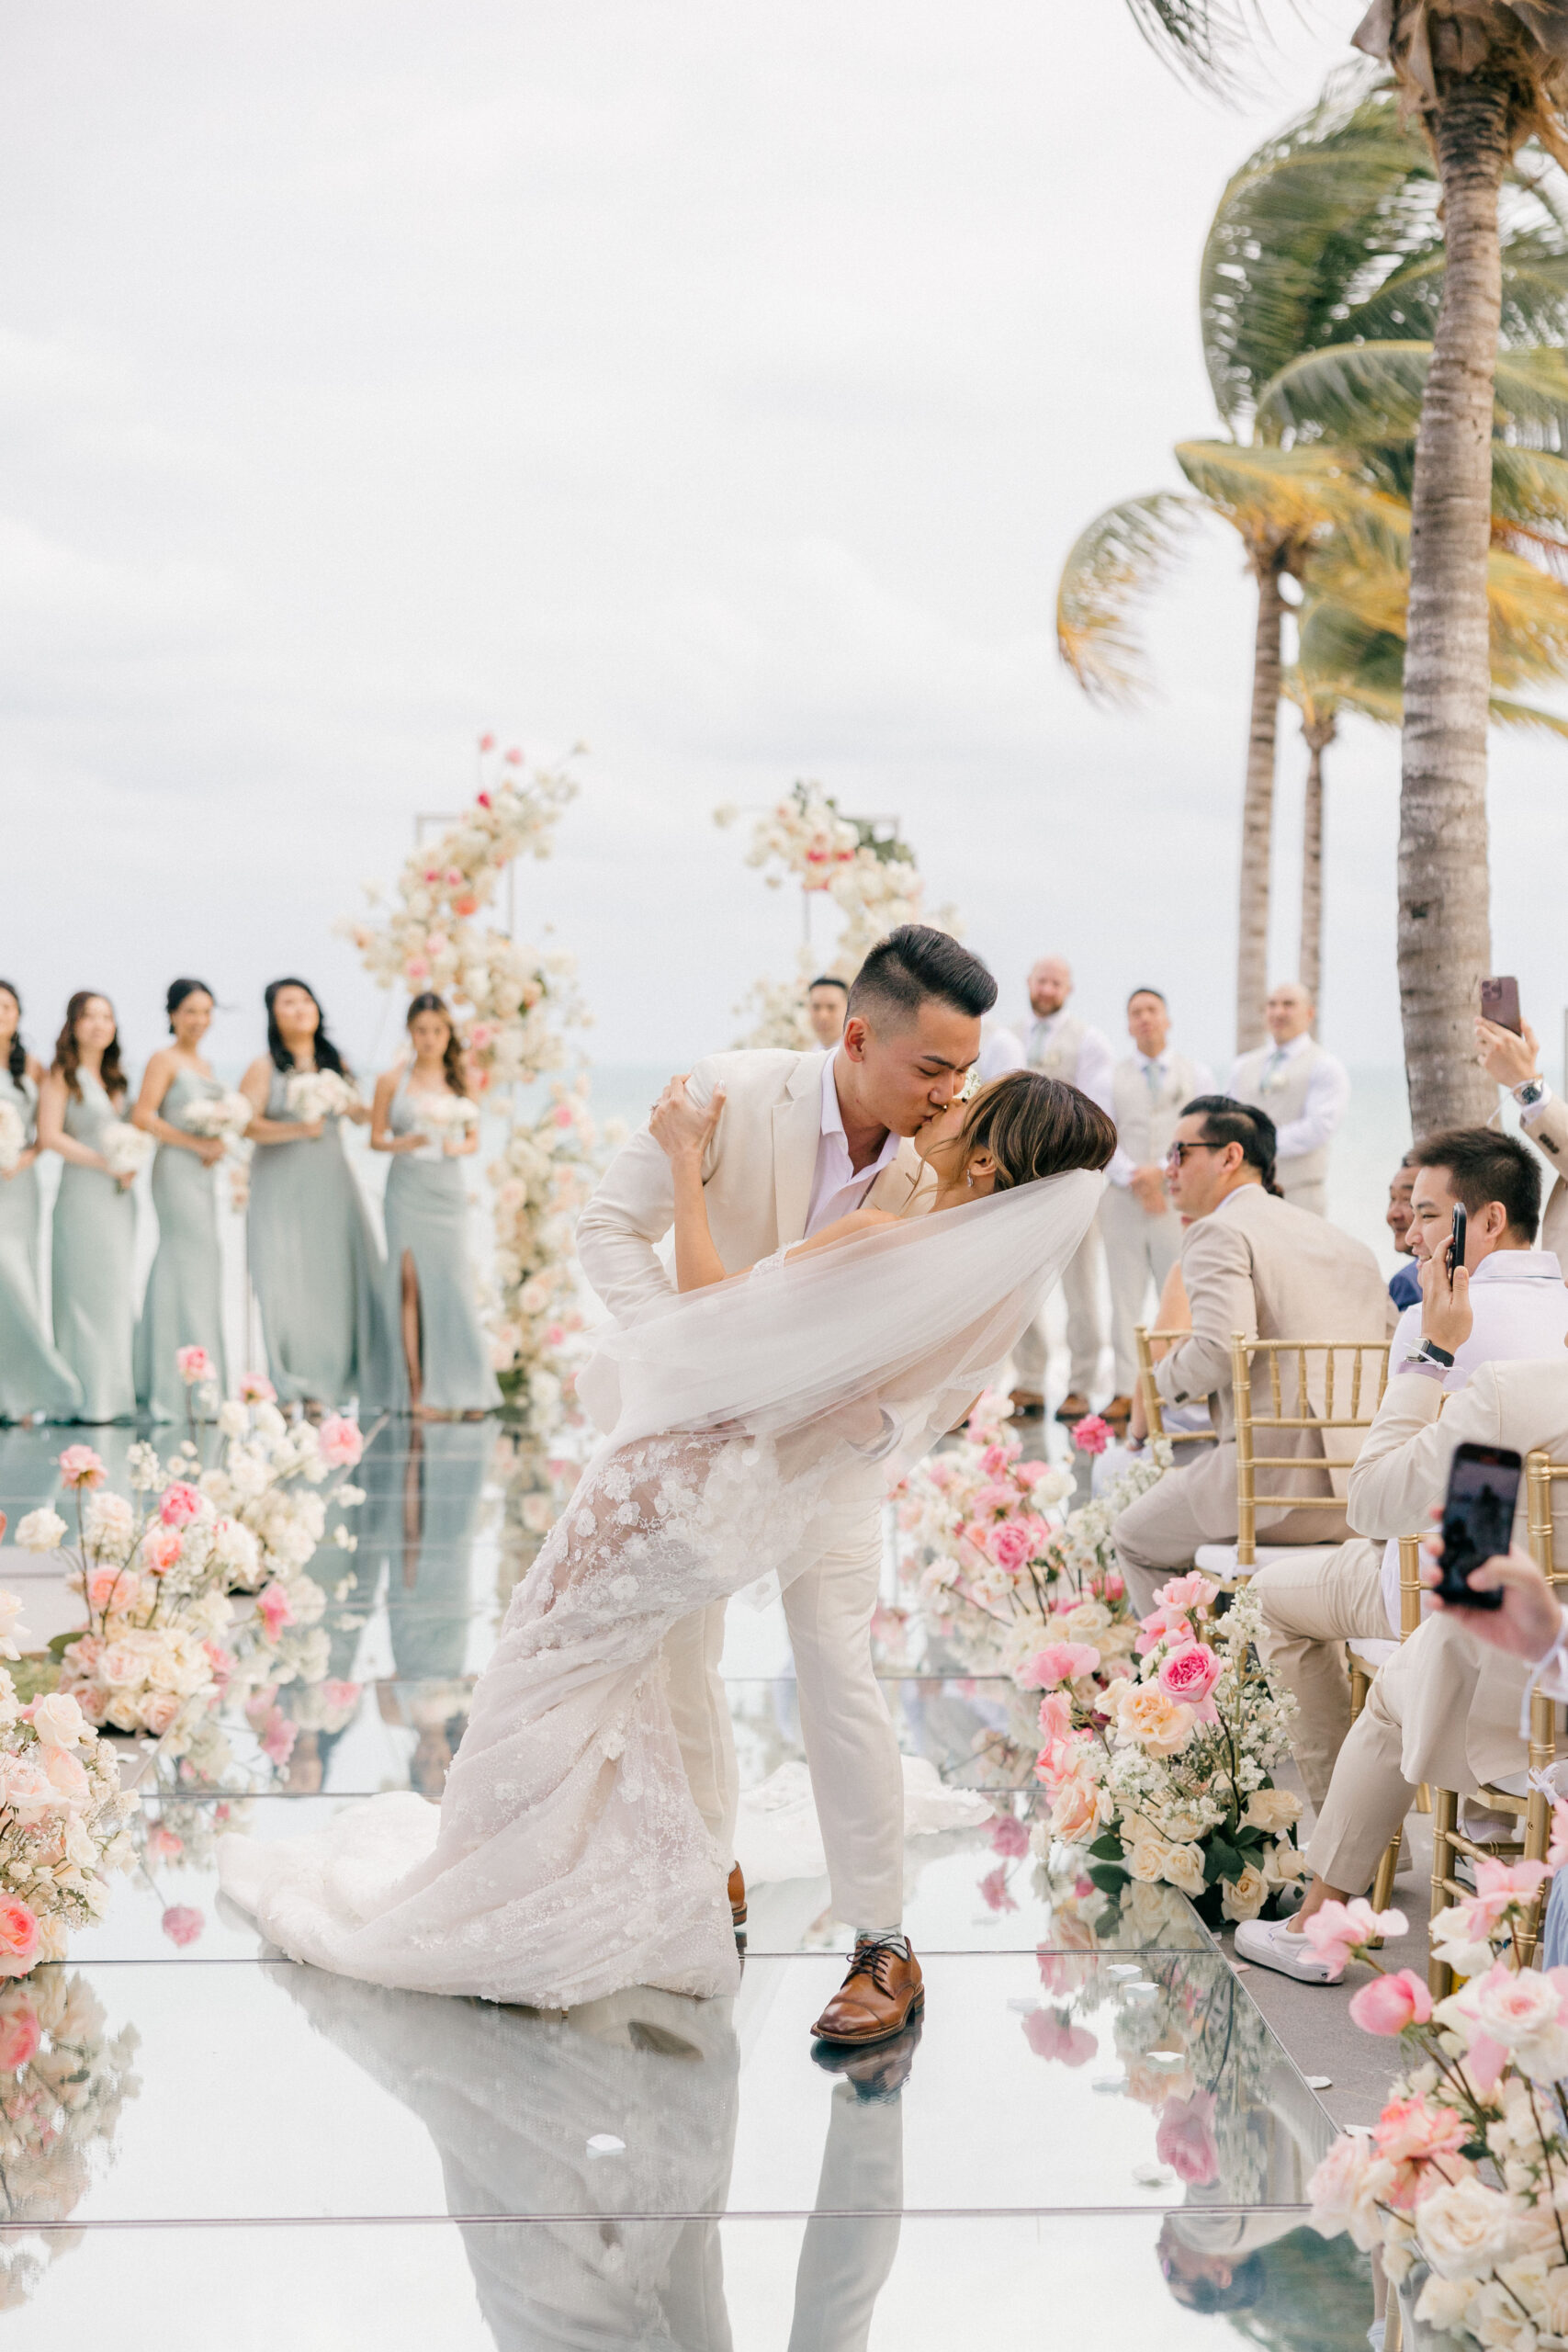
(95, 1265)
(317, 1273)
(426, 1212)
(33, 1377)
(182, 1305)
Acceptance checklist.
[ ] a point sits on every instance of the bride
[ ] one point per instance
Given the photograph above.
(567, 1859)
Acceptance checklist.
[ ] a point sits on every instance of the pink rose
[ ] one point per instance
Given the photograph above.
(483, 797)
(19, 2036)
(1092, 1434)
(195, 1366)
(1055, 1715)
(111, 1588)
(995, 1890)
(182, 1925)
(338, 1442)
(275, 1609)
(220, 1660)
(1189, 1674)
(1391, 2003)
(180, 1505)
(1115, 1585)
(994, 1500)
(158, 1711)
(1028, 1474)
(1059, 1662)
(162, 1845)
(1192, 1591)
(1011, 1546)
(1185, 2139)
(67, 1773)
(514, 757)
(487, 743)
(1557, 1852)
(161, 1547)
(1062, 1972)
(1336, 1929)
(19, 1925)
(1411, 2131)
(1518, 1881)
(277, 1738)
(80, 1467)
(1009, 1836)
(1053, 2037)
(256, 1390)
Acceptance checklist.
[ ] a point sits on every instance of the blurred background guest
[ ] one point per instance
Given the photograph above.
(1305, 1091)
(182, 1305)
(1142, 1231)
(317, 1272)
(1062, 1046)
(826, 1001)
(33, 1377)
(1404, 1285)
(80, 1100)
(444, 1363)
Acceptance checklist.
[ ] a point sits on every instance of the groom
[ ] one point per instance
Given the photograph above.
(804, 1139)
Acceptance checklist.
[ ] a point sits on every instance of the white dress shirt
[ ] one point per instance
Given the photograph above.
(1004, 1050)
(1120, 1170)
(1328, 1098)
(837, 1186)
(1519, 1301)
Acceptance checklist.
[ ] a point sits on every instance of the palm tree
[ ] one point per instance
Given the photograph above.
(1483, 81)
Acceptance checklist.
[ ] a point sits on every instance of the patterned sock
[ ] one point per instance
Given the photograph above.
(893, 1938)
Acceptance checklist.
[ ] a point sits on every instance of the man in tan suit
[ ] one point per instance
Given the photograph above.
(1254, 1265)
(1515, 1062)
(804, 1139)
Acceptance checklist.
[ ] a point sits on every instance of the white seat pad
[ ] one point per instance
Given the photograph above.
(1219, 1560)
(1371, 1652)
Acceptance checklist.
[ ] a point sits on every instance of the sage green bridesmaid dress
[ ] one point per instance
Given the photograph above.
(426, 1212)
(33, 1377)
(95, 1265)
(182, 1305)
(315, 1268)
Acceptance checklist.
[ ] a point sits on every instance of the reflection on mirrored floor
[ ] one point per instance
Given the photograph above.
(1090, 2137)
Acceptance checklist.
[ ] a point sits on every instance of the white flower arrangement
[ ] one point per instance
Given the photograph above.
(124, 1149)
(62, 1817)
(12, 1136)
(313, 1094)
(227, 1115)
(542, 1178)
(62, 2083)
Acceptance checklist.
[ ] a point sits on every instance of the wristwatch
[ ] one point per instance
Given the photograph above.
(1532, 1092)
(1429, 1352)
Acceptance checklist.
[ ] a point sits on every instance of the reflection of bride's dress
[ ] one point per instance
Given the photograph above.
(756, 1421)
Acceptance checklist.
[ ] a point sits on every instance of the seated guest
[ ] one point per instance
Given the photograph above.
(1518, 1306)
(1515, 1062)
(1404, 1287)
(1251, 1263)
(1446, 1707)
(1304, 1090)
(827, 1002)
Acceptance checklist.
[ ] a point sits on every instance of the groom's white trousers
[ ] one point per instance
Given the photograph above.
(851, 1748)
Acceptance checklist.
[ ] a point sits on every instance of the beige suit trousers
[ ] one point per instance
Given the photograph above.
(1140, 1251)
(1311, 1608)
(1086, 1337)
(1438, 1699)
(1156, 1535)
(851, 1748)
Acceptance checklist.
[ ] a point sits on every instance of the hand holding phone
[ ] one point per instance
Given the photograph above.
(1478, 1518)
(1500, 1002)
(1454, 1254)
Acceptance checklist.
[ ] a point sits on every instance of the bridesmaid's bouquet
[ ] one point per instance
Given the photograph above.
(449, 1114)
(320, 1095)
(220, 1114)
(13, 1138)
(125, 1148)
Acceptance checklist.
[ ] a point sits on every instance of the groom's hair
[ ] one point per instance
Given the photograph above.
(912, 966)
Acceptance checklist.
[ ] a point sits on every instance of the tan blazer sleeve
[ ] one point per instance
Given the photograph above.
(1217, 1265)
(1403, 1467)
(631, 1206)
(1547, 1126)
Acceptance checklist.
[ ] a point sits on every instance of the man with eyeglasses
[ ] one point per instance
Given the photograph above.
(1252, 1263)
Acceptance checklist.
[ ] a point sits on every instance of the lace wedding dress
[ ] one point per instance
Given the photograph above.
(566, 1859)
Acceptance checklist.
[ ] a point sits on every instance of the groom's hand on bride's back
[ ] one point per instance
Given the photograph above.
(681, 1127)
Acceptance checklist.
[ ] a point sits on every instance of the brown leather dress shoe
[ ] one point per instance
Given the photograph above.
(1072, 1409)
(882, 1992)
(738, 1900)
(1119, 1412)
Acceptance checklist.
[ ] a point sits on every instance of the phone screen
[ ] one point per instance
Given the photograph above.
(1478, 1518)
(1500, 1002)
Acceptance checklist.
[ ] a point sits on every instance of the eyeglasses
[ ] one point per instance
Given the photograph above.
(1179, 1151)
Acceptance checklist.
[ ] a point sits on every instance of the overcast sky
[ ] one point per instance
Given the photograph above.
(720, 384)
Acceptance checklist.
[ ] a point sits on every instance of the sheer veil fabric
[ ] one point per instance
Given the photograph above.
(752, 1422)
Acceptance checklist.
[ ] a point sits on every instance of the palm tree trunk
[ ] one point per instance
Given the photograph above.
(1319, 734)
(1444, 920)
(1257, 812)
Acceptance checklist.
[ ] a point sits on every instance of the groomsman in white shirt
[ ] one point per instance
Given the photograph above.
(1142, 1231)
(1063, 1046)
(1305, 1091)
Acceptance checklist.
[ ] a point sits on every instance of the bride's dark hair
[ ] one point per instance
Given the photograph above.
(1033, 1126)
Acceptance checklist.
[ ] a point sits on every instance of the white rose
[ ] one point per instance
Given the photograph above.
(1271, 1810)
(58, 1721)
(1466, 2230)
(233, 1418)
(42, 1531)
(1147, 1855)
(1244, 1898)
(1184, 1868)
(1444, 2302)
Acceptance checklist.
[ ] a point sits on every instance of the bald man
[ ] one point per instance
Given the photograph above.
(1304, 1090)
(1062, 1046)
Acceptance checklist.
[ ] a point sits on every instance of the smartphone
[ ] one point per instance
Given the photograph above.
(1500, 1002)
(1456, 1239)
(1478, 1518)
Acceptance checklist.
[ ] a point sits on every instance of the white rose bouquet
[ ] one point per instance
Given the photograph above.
(126, 1149)
(319, 1094)
(220, 1114)
(449, 1114)
(13, 1138)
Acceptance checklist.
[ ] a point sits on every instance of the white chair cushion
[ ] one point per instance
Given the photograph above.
(1373, 1653)
(1219, 1560)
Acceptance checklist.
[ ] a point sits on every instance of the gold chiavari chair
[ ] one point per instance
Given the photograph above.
(1353, 1375)
(1154, 1403)
(1533, 1810)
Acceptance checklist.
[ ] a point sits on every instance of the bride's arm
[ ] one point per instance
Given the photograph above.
(681, 1129)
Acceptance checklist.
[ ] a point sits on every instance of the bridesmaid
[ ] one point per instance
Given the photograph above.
(94, 1215)
(314, 1262)
(182, 1305)
(33, 1378)
(444, 1366)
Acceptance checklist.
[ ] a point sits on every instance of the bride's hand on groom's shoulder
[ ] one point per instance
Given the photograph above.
(681, 1127)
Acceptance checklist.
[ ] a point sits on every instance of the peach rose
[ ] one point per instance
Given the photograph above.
(1158, 1721)
(18, 1933)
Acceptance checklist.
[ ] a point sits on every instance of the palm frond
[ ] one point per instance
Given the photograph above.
(1528, 615)
(1532, 396)
(1293, 498)
(1364, 394)
(1198, 37)
(1110, 569)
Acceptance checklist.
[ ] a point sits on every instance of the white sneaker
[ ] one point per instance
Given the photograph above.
(1270, 1944)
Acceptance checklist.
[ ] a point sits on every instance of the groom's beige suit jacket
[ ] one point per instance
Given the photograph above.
(757, 1177)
